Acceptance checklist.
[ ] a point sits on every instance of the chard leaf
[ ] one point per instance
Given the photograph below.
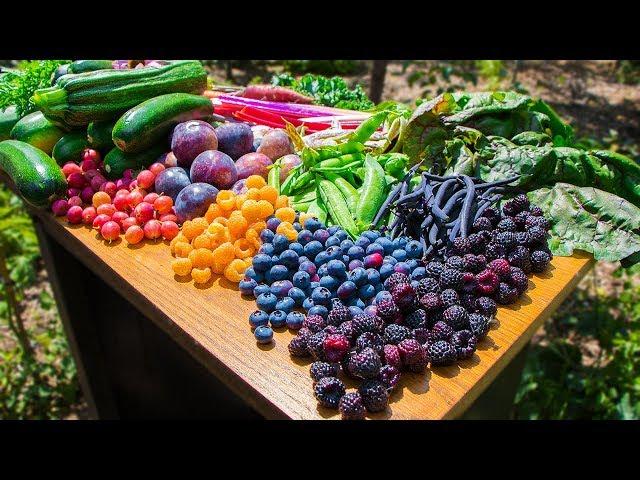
(585, 218)
(470, 105)
(460, 159)
(535, 139)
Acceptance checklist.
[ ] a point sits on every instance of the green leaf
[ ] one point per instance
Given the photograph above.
(471, 105)
(589, 219)
(625, 409)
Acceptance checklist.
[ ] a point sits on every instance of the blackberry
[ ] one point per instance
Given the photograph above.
(441, 331)
(388, 310)
(456, 317)
(518, 279)
(442, 353)
(315, 323)
(394, 334)
(464, 342)
(468, 301)
(298, 346)
(521, 202)
(389, 376)
(493, 251)
(478, 241)
(535, 211)
(404, 296)
(479, 325)
(422, 335)
(461, 245)
(536, 236)
(481, 223)
(506, 294)
(363, 323)
(486, 306)
(506, 239)
(519, 257)
(474, 263)
(391, 356)
(347, 362)
(539, 260)
(351, 407)
(374, 395)
(328, 391)
(492, 214)
(335, 347)
(365, 364)
(346, 329)
(456, 262)
(315, 345)
(430, 302)
(320, 370)
(510, 209)
(338, 314)
(523, 239)
(450, 278)
(413, 355)
(417, 319)
(501, 267)
(449, 297)
(520, 219)
(534, 221)
(330, 330)
(487, 282)
(370, 340)
(427, 285)
(469, 282)
(396, 278)
(507, 225)
(434, 269)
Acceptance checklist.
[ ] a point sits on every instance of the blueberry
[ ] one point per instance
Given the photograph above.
(412, 263)
(374, 248)
(313, 248)
(321, 235)
(253, 275)
(275, 260)
(363, 242)
(296, 247)
(419, 273)
(312, 224)
(280, 288)
(399, 255)
(304, 237)
(266, 236)
(389, 259)
(353, 264)
(372, 235)
(307, 303)
(260, 289)
(337, 269)
(298, 295)
(247, 285)
(334, 253)
(346, 259)
(321, 296)
(356, 302)
(379, 287)
(345, 245)
(415, 283)
(272, 223)
(261, 262)
(367, 291)
(280, 243)
(314, 284)
(358, 276)
(330, 283)
(278, 318)
(346, 290)
(301, 280)
(355, 310)
(289, 259)
(258, 318)
(263, 334)
(400, 242)
(356, 253)
(332, 241)
(372, 261)
(294, 320)
(267, 302)
(373, 276)
(371, 310)
(333, 229)
(296, 225)
(308, 267)
(321, 258)
(401, 267)
(341, 234)
(319, 310)
(286, 304)
(383, 295)
(302, 259)
(268, 279)
(279, 272)
(386, 244)
(414, 249)
(267, 249)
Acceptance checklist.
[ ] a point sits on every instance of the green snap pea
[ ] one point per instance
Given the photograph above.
(348, 191)
(337, 206)
(302, 181)
(273, 177)
(343, 168)
(285, 188)
(340, 160)
(338, 150)
(373, 193)
(368, 127)
(302, 206)
(317, 209)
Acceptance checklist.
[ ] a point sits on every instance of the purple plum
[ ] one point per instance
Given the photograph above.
(234, 139)
(240, 187)
(190, 139)
(215, 168)
(287, 163)
(171, 181)
(276, 144)
(194, 200)
(253, 164)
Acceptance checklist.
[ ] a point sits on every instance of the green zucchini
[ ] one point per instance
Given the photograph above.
(60, 71)
(38, 131)
(117, 161)
(99, 135)
(35, 173)
(70, 147)
(8, 118)
(82, 98)
(81, 66)
(146, 124)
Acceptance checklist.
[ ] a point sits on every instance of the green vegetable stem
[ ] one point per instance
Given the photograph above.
(273, 177)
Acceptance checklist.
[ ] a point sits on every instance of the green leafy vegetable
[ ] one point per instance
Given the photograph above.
(589, 219)
(17, 86)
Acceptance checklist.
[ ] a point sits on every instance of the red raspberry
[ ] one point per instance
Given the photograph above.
(487, 282)
(501, 267)
(336, 347)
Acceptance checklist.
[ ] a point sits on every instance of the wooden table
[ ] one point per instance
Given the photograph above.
(98, 285)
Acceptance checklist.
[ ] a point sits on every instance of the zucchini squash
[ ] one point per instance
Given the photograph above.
(81, 66)
(146, 124)
(35, 173)
(99, 135)
(8, 118)
(70, 147)
(79, 99)
(38, 131)
(117, 161)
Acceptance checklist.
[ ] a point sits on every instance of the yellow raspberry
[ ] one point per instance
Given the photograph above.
(213, 211)
(255, 181)
(201, 257)
(183, 249)
(237, 225)
(226, 199)
(201, 275)
(240, 199)
(286, 214)
(181, 266)
(269, 193)
(266, 208)
(283, 227)
(281, 202)
(224, 253)
(253, 194)
(202, 241)
(235, 271)
(243, 248)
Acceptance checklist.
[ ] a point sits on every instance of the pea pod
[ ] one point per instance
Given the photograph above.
(344, 168)
(338, 150)
(305, 197)
(285, 188)
(337, 206)
(273, 177)
(348, 191)
(301, 206)
(302, 181)
(373, 193)
(341, 160)
(317, 209)
(368, 127)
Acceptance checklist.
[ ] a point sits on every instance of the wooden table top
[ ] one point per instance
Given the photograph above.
(211, 322)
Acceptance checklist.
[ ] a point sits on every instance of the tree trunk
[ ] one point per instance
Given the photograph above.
(378, 72)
